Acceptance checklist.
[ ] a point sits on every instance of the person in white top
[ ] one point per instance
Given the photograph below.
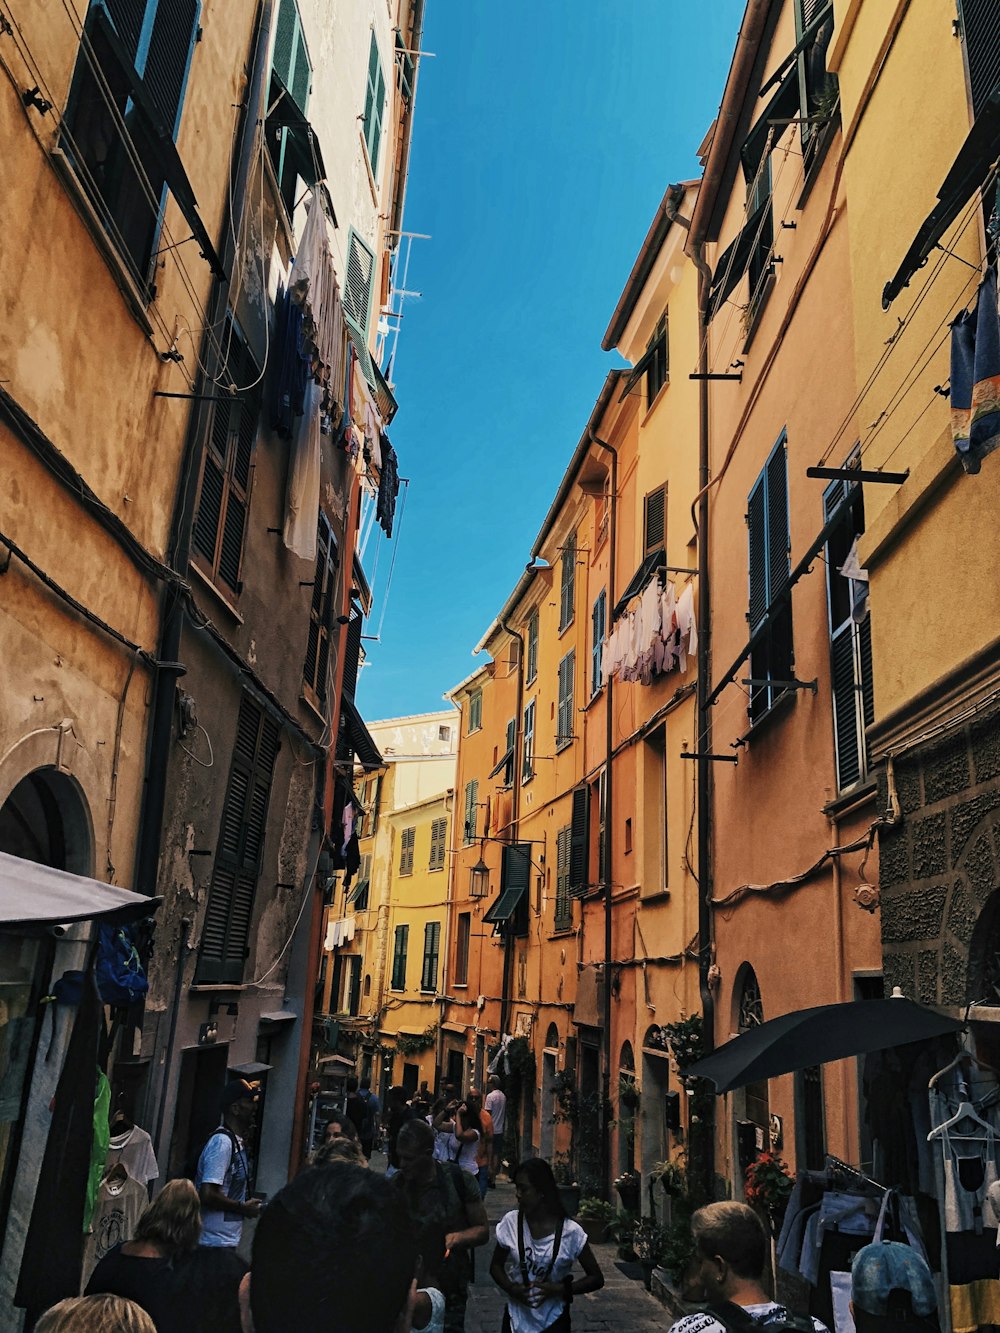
(536, 1250)
(465, 1137)
(730, 1253)
(496, 1104)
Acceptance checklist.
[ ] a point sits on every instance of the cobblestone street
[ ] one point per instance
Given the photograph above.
(623, 1303)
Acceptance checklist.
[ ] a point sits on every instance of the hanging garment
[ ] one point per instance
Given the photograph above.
(312, 284)
(687, 643)
(121, 1201)
(975, 377)
(302, 492)
(293, 366)
(388, 488)
(133, 1148)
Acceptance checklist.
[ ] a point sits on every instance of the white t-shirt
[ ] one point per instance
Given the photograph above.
(768, 1313)
(465, 1154)
(537, 1257)
(496, 1104)
(436, 1322)
(220, 1165)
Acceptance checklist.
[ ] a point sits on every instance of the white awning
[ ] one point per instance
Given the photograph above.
(33, 894)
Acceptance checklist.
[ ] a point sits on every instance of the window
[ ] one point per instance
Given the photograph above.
(511, 759)
(602, 517)
(598, 619)
(346, 997)
(475, 711)
(564, 906)
(471, 804)
(224, 493)
(564, 713)
(599, 794)
(444, 734)
(528, 744)
(579, 847)
(321, 610)
(142, 50)
(768, 541)
(225, 933)
(357, 294)
(981, 30)
(357, 897)
(657, 361)
(406, 841)
(462, 938)
(374, 105)
(439, 842)
(432, 944)
(818, 88)
(761, 214)
(654, 519)
(852, 684)
(290, 140)
(399, 958)
(531, 667)
(567, 581)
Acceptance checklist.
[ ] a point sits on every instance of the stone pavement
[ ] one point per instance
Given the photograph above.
(621, 1303)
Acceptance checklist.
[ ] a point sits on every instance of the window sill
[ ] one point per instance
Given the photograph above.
(530, 680)
(312, 701)
(136, 300)
(526, 781)
(778, 709)
(561, 929)
(211, 586)
(651, 408)
(564, 745)
(563, 628)
(758, 314)
(861, 793)
(655, 895)
(460, 985)
(434, 870)
(597, 694)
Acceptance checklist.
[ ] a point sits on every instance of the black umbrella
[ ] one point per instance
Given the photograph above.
(814, 1036)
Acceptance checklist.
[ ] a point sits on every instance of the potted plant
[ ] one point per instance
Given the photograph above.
(628, 1093)
(672, 1178)
(566, 1183)
(768, 1185)
(595, 1216)
(628, 1185)
(648, 1241)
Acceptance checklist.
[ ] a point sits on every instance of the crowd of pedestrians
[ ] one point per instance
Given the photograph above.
(345, 1249)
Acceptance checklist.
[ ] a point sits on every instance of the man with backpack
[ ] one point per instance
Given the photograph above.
(727, 1270)
(223, 1175)
(363, 1109)
(448, 1215)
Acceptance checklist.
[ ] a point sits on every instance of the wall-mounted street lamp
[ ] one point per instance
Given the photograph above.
(479, 879)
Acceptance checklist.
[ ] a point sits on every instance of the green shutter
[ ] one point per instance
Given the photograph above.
(579, 849)
(291, 59)
(358, 283)
(374, 105)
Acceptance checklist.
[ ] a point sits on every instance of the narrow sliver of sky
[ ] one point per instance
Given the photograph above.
(545, 136)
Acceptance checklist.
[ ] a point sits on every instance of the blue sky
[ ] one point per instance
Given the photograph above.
(545, 135)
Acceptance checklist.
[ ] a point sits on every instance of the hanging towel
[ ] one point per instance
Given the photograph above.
(975, 377)
(302, 493)
(388, 487)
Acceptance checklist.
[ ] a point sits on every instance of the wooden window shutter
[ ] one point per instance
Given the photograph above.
(171, 43)
(291, 59)
(579, 847)
(845, 707)
(374, 105)
(655, 506)
(352, 655)
(981, 30)
(358, 283)
(757, 560)
(399, 958)
(563, 912)
(226, 929)
(778, 571)
(321, 610)
(508, 773)
(354, 1003)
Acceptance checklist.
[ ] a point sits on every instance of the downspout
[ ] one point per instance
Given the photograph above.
(609, 823)
(179, 552)
(694, 248)
(515, 812)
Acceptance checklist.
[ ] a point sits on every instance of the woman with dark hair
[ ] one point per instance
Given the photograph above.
(397, 1112)
(537, 1247)
(341, 1127)
(466, 1135)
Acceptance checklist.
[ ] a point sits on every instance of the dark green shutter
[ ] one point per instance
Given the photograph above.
(981, 28)
(354, 1002)
(579, 848)
(291, 60)
(777, 523)
(358, 283)
(655, 517)
(226, 929)
(170, 46)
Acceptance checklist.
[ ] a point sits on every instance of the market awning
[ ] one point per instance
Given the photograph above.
(336, 1060)
(33, 894)
(815, 1036)
(359, 737)
(639, 579)
(278, 1016)
(968, 174)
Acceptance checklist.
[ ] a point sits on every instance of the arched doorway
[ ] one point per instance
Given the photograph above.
(549, 1107)
(750, 1104)
(628, 1101)
(44, 819)
(654, 1140)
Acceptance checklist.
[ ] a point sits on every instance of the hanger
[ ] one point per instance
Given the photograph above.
(963, 1057)
(116, 1176)
(966, 1111)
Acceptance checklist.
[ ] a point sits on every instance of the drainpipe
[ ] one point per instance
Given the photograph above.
(694, 248)
(169, 669)
(609, 822)
(508, 951)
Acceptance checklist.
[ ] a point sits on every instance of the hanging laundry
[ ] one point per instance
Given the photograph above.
(302, 491)
(293, 366)
(388, 487)
(312, 284)
(853, 569)
(975, 377)
(133, 1148)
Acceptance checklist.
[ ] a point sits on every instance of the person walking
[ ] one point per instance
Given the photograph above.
(484, 1147)
(466, 1136)
(442, 1121)
(448, 1216)
(223, 1177)
(536, 1250)
(496, 1104)
(95, 1314)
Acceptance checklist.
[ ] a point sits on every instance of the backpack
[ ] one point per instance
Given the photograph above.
(121, 978)
(735, 1319)
(191, 1164)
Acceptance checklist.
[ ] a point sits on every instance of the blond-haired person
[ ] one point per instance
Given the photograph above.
(96, 1314)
